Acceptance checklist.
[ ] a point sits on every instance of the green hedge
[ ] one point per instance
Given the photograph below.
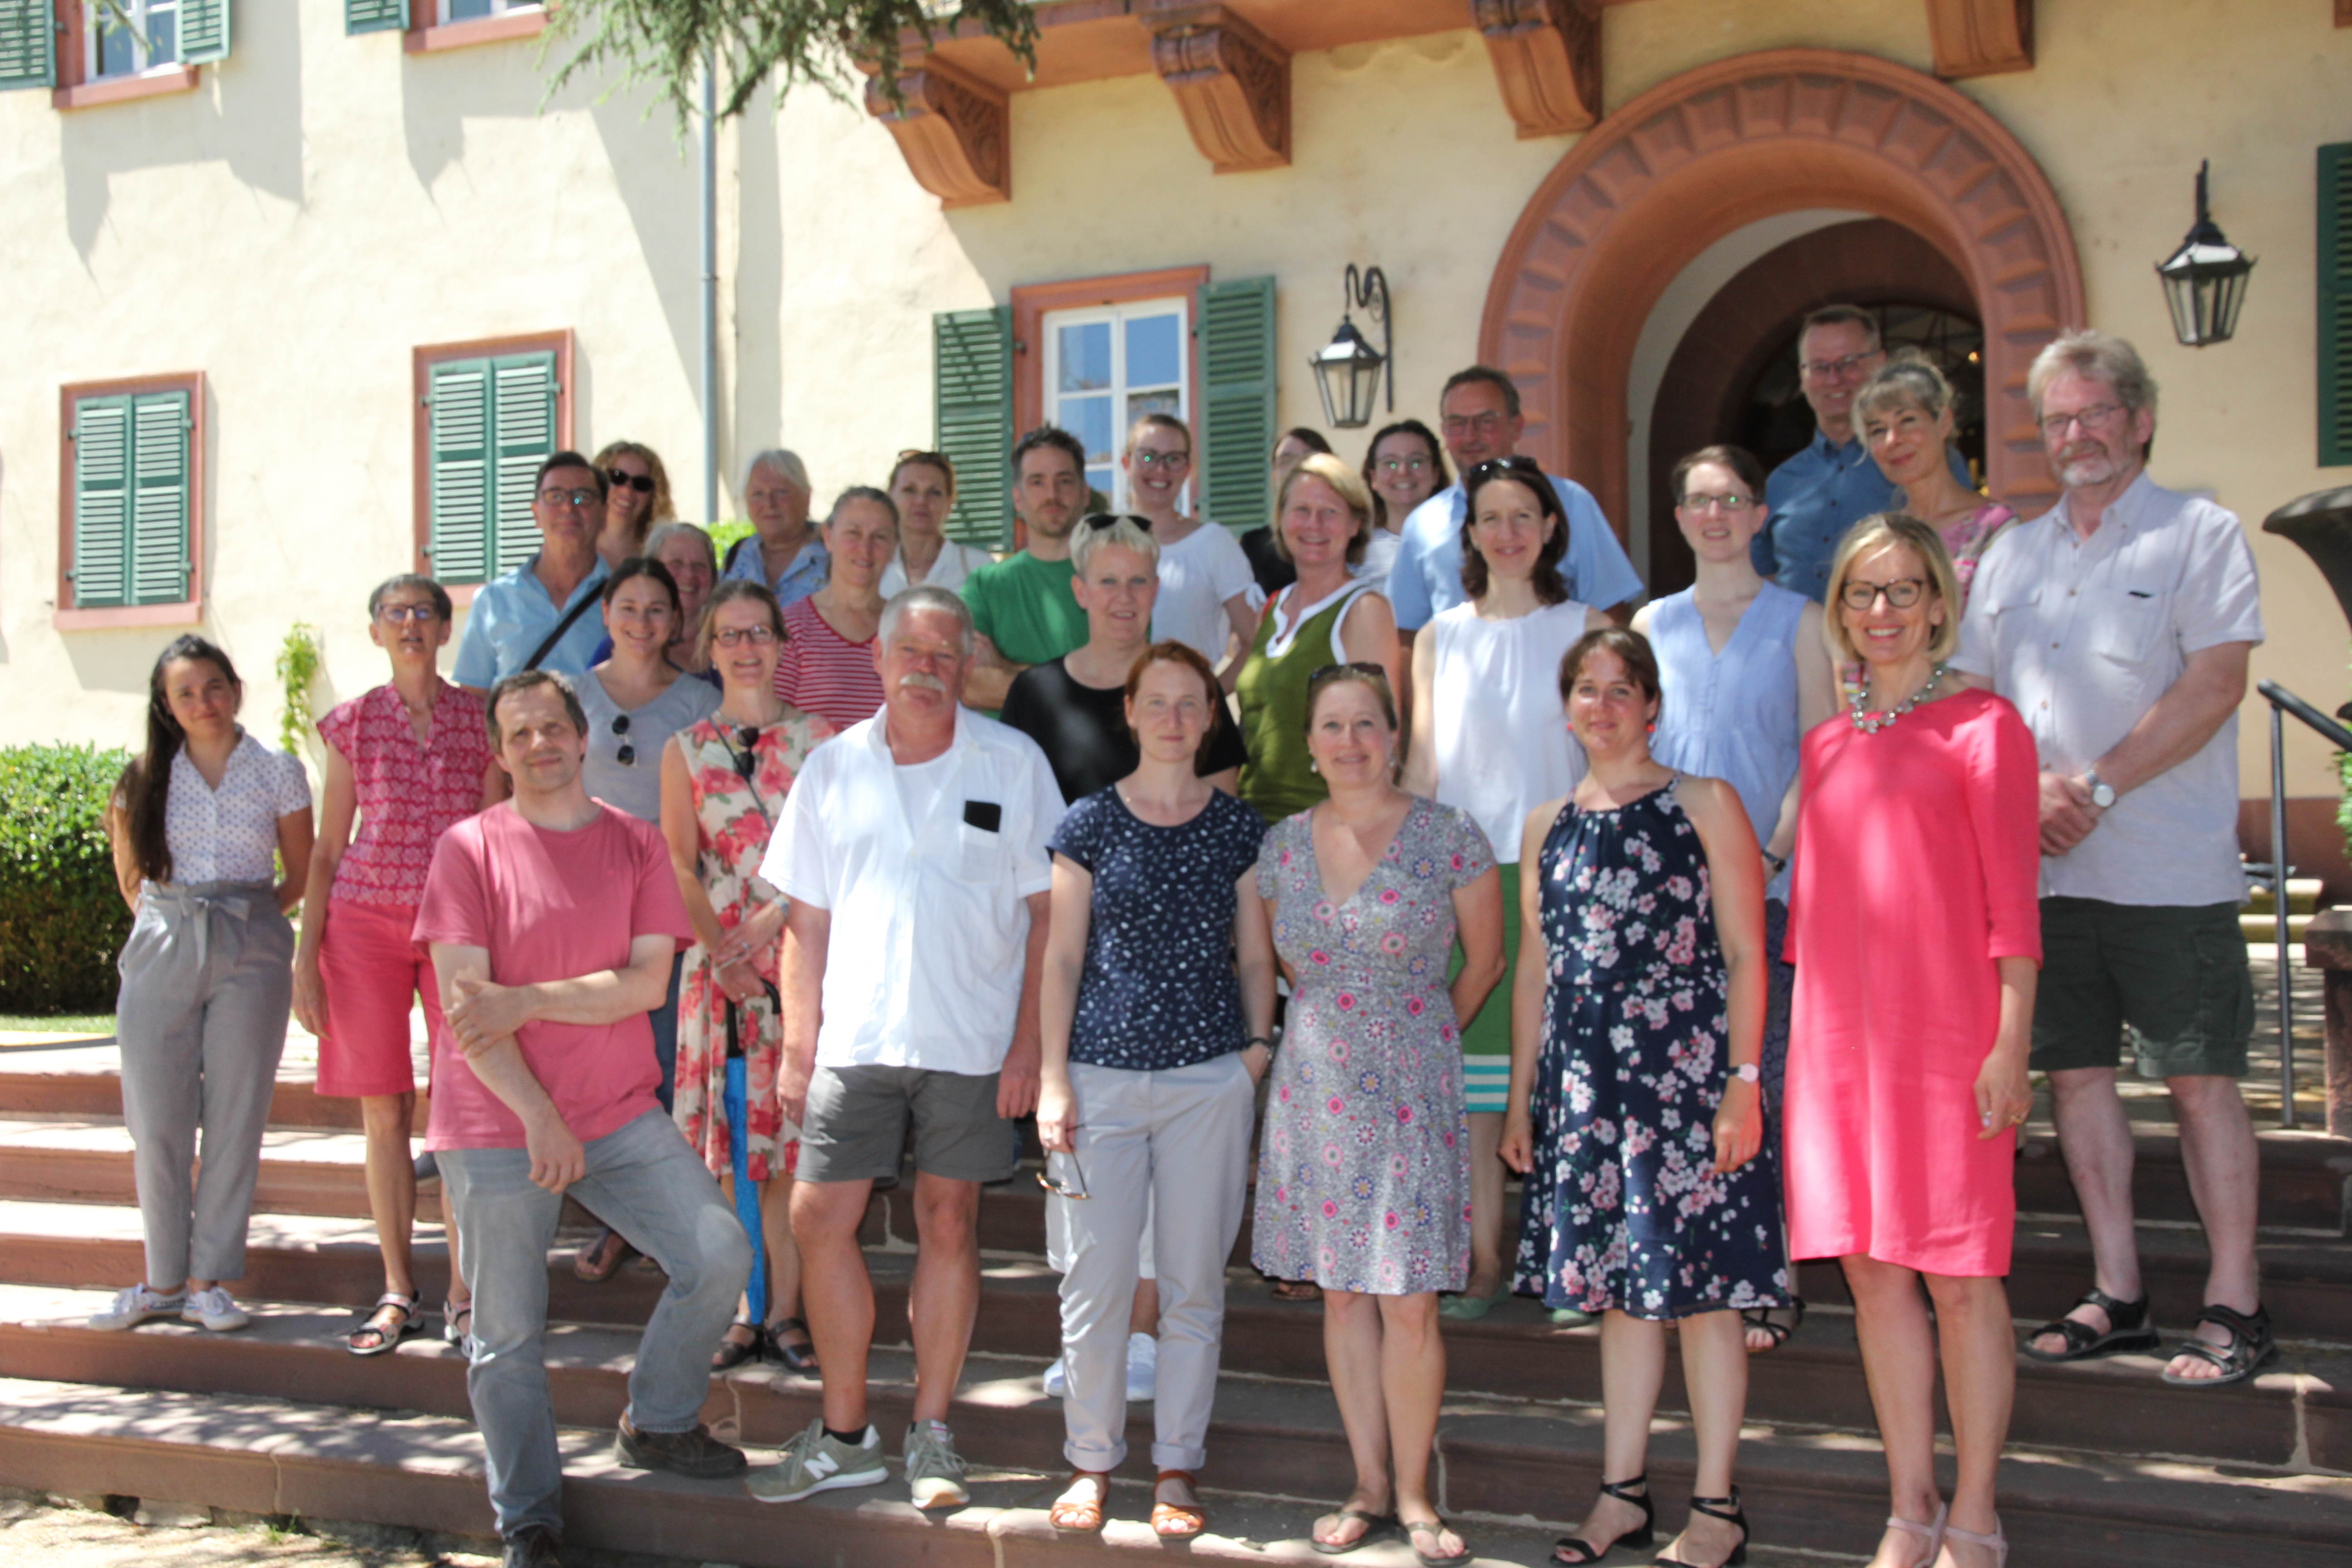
(61, 919)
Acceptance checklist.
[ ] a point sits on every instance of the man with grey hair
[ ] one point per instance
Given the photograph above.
(912, 854)
(783, 550)
(2120, 625)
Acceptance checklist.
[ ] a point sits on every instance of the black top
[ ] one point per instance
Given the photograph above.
(1084, 733)
(1266, 565)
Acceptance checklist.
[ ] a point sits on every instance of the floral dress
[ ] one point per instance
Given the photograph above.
(735, 816)
(1364, 1164)
(1623, 1209)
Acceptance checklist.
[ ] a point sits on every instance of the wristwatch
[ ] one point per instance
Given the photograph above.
(1778, 863)
(2103, 794)
(1748, 1072)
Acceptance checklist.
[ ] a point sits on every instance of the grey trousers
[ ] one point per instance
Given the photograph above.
(646, 1184)
(1180, 1138)
(207, 979)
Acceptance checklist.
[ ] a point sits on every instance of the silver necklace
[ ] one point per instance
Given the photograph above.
(1872, 723)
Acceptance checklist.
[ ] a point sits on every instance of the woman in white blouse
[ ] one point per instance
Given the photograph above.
(923, 489)
(200, 823)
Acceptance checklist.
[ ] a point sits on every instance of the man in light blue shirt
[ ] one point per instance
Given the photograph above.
(1481, 420)
(513, 617)
(784, 552)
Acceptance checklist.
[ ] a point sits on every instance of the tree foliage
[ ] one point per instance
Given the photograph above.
(753, 42)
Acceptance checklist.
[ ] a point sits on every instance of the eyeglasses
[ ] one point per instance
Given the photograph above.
(641, 483)
(1845, 366)
(731, 636)
(423, 615)
(1095, 522)
(1168, 461)
(628, 755)
(1901, 594)
(2055, 425)
(1404, 465)
(570, 498)
(1719, 503)
(1062, 1189)
(1485, 423)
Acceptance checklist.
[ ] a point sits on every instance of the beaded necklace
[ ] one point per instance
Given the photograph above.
(1872, 723)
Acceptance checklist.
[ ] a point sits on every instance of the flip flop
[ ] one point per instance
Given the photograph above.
(1375, 1526)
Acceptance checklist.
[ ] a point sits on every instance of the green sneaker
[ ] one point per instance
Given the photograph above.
(817, 1461)
(934, 1469)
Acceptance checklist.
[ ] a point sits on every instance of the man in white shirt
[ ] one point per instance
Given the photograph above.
(2120, 626)
(912, 853)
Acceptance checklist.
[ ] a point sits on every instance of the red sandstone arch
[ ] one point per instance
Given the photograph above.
(1697, 157)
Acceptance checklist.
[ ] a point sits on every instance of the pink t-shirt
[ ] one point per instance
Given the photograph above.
(550, 906)
(408, 794)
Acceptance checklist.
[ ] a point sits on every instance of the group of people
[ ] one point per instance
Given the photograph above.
(1378, 845)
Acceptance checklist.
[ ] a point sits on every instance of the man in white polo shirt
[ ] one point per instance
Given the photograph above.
(2120, 625)
(912, 851)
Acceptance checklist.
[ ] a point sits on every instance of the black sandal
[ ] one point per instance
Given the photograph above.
(387, 1335)
(602, 1259)
(798, 1360)
(2250, 1348)
(733, 1353)
(1714, 1508)
(1761, 1318)
(1641, 1534)
(2129, 1330)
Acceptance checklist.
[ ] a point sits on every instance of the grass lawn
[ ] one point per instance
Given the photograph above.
(57, 1024)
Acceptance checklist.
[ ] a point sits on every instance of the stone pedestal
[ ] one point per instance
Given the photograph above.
(2328, 947)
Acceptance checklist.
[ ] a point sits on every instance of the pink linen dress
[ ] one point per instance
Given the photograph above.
(1921, 849)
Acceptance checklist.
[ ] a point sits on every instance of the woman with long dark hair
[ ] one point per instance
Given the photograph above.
(199, 822)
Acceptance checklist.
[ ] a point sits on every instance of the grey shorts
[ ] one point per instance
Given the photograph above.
(856, 1128)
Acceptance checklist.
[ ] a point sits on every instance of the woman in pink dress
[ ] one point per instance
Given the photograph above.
(1917, 939)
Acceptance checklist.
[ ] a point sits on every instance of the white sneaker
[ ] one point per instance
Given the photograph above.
(135, 1305)
(214, 1310)
(1142, 1367)
(1057, 1380)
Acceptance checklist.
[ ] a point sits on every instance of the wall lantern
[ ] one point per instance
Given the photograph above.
(2205, 281)
(1348, 371)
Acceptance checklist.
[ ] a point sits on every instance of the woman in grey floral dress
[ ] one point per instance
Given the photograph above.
(1364, 1177)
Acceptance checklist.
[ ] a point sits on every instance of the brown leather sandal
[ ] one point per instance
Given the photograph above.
(1176, 1520)
(1081, 1518)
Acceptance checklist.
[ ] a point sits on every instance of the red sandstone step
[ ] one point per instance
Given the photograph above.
(90, 1087)
(2306, 1179)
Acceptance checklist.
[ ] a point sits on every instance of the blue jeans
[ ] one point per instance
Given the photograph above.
(649, 1186)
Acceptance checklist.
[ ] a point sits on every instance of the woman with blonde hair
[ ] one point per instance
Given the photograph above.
(1904, 413)
(636, 496)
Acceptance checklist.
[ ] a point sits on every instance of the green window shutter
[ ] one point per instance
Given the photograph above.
(374, 16)
(1237, 400)
(160, 423)
(101, 534)
(28, 43)
(2335, 305)
(204, 32)
(458, 480)
(522, 399)
(972, 409)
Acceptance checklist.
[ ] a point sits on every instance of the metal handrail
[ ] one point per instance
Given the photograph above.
(2283, 702)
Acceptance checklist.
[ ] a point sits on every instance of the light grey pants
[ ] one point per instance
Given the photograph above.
(645, 1182)
(1180, 1138)
(207, 979)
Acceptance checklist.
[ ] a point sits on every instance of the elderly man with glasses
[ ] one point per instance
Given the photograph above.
(538, 616)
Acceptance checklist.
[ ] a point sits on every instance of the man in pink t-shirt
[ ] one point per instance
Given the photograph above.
(552, 922)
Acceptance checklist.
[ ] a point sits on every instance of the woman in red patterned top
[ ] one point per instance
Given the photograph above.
(826, 664)
(723, 785)
(409, 759)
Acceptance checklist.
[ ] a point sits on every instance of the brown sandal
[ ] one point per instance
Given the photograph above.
(1298, 1291)
(1081, 1518)
(1176, 1520)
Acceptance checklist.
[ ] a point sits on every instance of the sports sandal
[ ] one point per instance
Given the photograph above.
(2250, 1348)
(2129, 1330)
(370, 1336)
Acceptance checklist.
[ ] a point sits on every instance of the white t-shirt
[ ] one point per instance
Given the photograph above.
(953, 564)
(1197, 574)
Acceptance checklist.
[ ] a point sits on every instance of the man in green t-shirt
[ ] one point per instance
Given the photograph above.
(1023, 612)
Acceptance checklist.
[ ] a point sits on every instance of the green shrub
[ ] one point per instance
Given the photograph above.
(723, 535)
(61, 918)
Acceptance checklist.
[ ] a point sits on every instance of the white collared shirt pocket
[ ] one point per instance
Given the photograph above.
(2129, 622)
(980, 853)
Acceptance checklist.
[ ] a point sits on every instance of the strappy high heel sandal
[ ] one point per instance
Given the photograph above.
(1997, 1542)
(1728, 1509)
(1932, 1532)
(1635, 1492)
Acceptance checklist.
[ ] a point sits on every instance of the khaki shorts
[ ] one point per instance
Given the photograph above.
(2171, 979)
(856, 1128)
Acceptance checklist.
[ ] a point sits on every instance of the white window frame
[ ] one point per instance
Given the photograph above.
(96, 19)
(497, 8)
(1050, 327)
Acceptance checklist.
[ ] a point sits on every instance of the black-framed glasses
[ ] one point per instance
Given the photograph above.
(1694, 501)
(1063, 1189)
(1901, 594)
(628, 755)
(423, 615)
(1171, 461)
(641, 483)
(758, 636)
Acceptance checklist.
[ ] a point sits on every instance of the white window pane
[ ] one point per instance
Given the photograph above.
(1154, 350)
(1083, 357)
(1088, 418)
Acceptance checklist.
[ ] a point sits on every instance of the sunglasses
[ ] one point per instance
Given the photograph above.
(1097, 522)
(641, 483)
(1064, 1189)
(628, 755)
(747, 761)
(1354, 667)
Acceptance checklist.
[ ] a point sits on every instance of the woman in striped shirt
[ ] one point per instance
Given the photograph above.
(826, 664)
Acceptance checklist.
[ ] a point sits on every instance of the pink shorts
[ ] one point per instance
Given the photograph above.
(371, 965)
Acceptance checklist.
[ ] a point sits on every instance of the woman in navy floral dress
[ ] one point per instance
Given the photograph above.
(1651, 1195)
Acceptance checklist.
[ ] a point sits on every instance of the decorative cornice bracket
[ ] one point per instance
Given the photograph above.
(1546, 55)
(1980, 37)
(954, 131)
(1232, 84)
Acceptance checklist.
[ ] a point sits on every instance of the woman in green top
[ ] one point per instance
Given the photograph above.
(1322, 521)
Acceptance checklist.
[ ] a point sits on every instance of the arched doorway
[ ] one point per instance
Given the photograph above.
(1722, 146)
(1733, 377)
